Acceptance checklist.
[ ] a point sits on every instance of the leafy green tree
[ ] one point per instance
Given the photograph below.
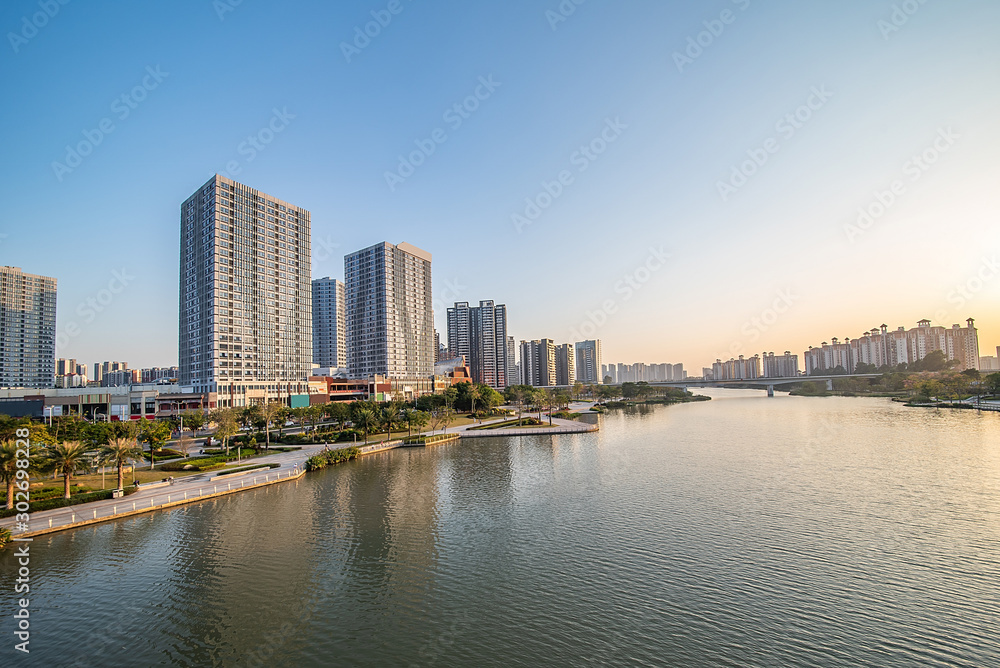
(193, 420)
(519, 396)
(474, 394)
(418, 419)
(451, 396)
(66, 459)
(935, 360)
(338, 411)
(429, 402)
(247, 416)
(67, 427)
(226, 425)
(120, 452)
(489, 398)
(154, 433)
(270, 412)
(97, 434)
(992, 383)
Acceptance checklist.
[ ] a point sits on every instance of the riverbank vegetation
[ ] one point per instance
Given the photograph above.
(917, 388)
(330, 457)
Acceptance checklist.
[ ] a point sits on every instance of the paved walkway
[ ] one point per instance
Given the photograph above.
(182, 489)
(559, 425)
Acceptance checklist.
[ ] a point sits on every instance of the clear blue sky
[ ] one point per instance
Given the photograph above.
(679, 128)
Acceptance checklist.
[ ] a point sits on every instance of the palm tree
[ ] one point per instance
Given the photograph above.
(120, 452)
(9, 467)
(66, 459)
(366, 418)
(390, 416)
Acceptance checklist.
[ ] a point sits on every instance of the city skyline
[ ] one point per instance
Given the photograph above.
(853, 172)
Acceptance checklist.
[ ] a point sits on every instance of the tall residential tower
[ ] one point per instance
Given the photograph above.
(27, 329)
(390, 317)
(245, 314)
(329, 323)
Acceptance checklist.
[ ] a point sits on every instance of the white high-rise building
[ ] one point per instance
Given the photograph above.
(245, 294)
(27, 329)
(329, 323)
(390, 317)
(588, 362)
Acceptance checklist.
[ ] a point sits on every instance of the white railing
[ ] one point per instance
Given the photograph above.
(124, 506)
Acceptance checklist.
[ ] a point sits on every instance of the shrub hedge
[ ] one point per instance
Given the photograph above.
(330, 457)
(272, 465)
(430, 440)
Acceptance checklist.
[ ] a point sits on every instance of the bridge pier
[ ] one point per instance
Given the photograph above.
(770, 390)
(829, 385)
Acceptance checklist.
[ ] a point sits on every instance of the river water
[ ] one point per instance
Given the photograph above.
(744, 531)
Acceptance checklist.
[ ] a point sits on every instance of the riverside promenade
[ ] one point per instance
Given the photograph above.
(154, 496)
(201, 486)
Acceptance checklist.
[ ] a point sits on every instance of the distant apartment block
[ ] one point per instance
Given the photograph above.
(989, 363)
(640, 372)
(102, 368)
(565, 364)
(588, 362)
(390, 317)
(27, 329)
(245, 296)
(121, 378)
(513, 368)
(780, 366)
(881, 347)
(329, 323)
(538, 363)
(737, 369)
(480, 333)
(159, 374)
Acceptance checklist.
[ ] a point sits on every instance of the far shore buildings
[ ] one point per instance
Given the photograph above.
(737, 369)
(538, 363)
(880, 347)
(589, 362)
(27, 329)
(565, 364)
(780, 366)
(641, 372)
(479, 333)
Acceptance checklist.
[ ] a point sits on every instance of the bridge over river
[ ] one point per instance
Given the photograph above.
(764, 383)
